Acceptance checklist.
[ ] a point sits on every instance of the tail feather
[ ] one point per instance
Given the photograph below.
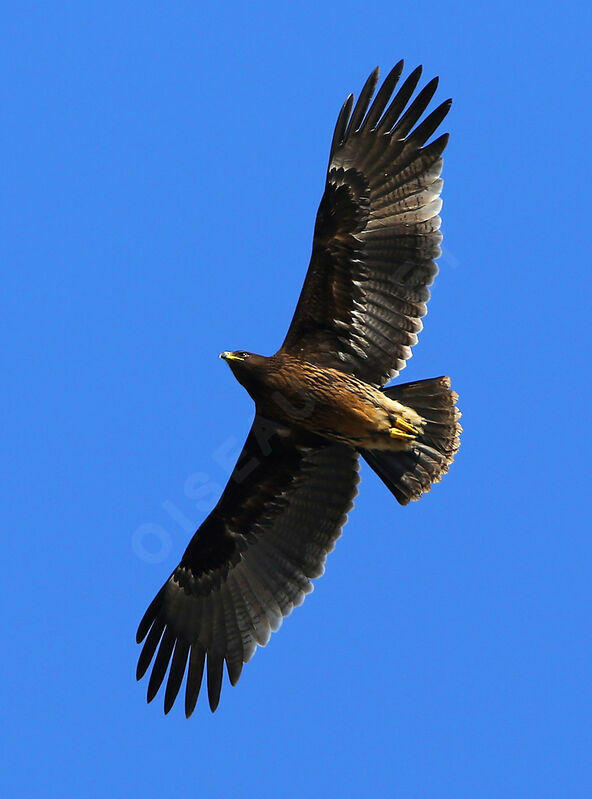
(409, 474)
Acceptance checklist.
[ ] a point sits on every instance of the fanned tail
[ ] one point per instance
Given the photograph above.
(409, 474)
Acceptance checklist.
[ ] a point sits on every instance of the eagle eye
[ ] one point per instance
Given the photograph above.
(241, 354)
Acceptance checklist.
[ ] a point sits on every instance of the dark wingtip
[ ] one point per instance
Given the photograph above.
(176, 673)
(168, 703)
(149, 616)
(383, 95)
(214, 702)
(194, 678)
(234, 671)
(361, 107)
(393, 76)
(399, 100)
(149, 648)
(152, 691)
(341, 124)
(143, 628)
(214, 679)
(161, 663)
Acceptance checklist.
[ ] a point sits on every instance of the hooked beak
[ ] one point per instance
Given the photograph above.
(227, 356)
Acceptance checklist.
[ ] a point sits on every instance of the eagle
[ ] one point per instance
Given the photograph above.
(321, 400)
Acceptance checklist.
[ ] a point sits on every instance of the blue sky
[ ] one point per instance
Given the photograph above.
(162, 168)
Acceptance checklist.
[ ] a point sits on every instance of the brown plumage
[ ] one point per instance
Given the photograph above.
(320, 402)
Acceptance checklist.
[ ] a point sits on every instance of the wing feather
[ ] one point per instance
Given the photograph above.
(161, 662)
(194, 677)
(250, 563)
(176, 673)
(376, 234)
(361, 106)
(399, 101)
(341, 123)
(383, 96)
(214, 677)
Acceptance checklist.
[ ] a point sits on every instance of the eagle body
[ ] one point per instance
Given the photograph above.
(322, 401)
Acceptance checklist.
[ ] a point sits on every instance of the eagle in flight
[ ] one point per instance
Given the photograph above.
(320, 401)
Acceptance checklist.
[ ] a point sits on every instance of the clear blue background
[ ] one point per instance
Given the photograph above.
(162, 165)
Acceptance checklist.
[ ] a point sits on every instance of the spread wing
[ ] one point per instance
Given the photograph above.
(250, 563)
(376, 234)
